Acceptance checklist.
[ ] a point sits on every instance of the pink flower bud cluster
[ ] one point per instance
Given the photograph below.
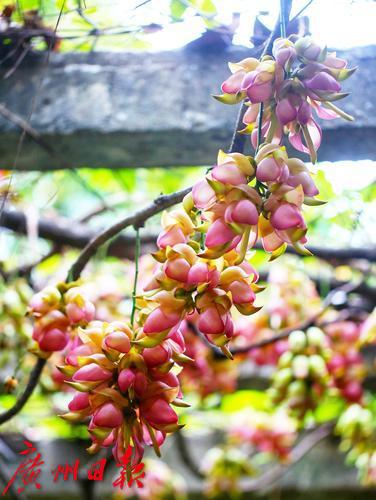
(57, 311)
(346, 364)
(190, 280)
(299, 79)
(272, 433)
(125, 389)
(237, 213)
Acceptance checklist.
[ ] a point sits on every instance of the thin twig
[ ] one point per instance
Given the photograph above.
(25, 127)
(302, 10)
(137, 220)
(298, 452)
(29, 389)
(284, 334)
(185, 456)
(136, 259)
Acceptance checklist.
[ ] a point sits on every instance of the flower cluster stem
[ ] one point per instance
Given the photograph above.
(136, 259)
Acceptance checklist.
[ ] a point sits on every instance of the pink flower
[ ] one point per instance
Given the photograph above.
(228, 174)
(170, 237)
(203, 194)
(286, 216)
(268, 170)
(79, 402)
(285, 111)
(157, 355)
(242, 212)
(158, 412)
(256, 89)
(219, 233)
(323, 82)
(107, 415)
(126, 379)
(158, 321)
(118, 341)
(91, 373)
(52, 340)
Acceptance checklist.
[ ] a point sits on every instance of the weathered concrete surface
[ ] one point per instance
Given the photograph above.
(125, 110)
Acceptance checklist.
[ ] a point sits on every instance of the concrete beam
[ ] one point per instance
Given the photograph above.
(129, 110)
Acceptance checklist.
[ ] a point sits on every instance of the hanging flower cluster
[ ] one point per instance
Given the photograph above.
(57, 312)
(346, 364)
(127, 390)
(271, 433)
(301, 378)
(357, 429)
(300, 79)
(190, 280)
(243, 198)
(223, 468)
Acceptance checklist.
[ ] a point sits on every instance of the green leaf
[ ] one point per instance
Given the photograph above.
(257, 400)
(324, 186)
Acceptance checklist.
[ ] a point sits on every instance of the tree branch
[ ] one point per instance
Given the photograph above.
(184, 454)
(29, 389)
(284, 334)
(72, 233)
(298, 452)
(138, 219)
(63, 231)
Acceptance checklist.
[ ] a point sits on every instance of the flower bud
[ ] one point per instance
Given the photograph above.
(45, 300)
(79, 402)
(322, 82)
(118, 341)
(317, 366)
(53, 340)
(91, 373)
(268, 170)
(228, 173)
(159, 412)
(315, 337)
(157, 355)
(158, 321)
(282, 377)
(107, 415)
(300, 366)
(286, 216)
(126, 379)
(285, 111)
(286, 359)
(219, 233)
(305, 47)
(297, 341)
(242, 212)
